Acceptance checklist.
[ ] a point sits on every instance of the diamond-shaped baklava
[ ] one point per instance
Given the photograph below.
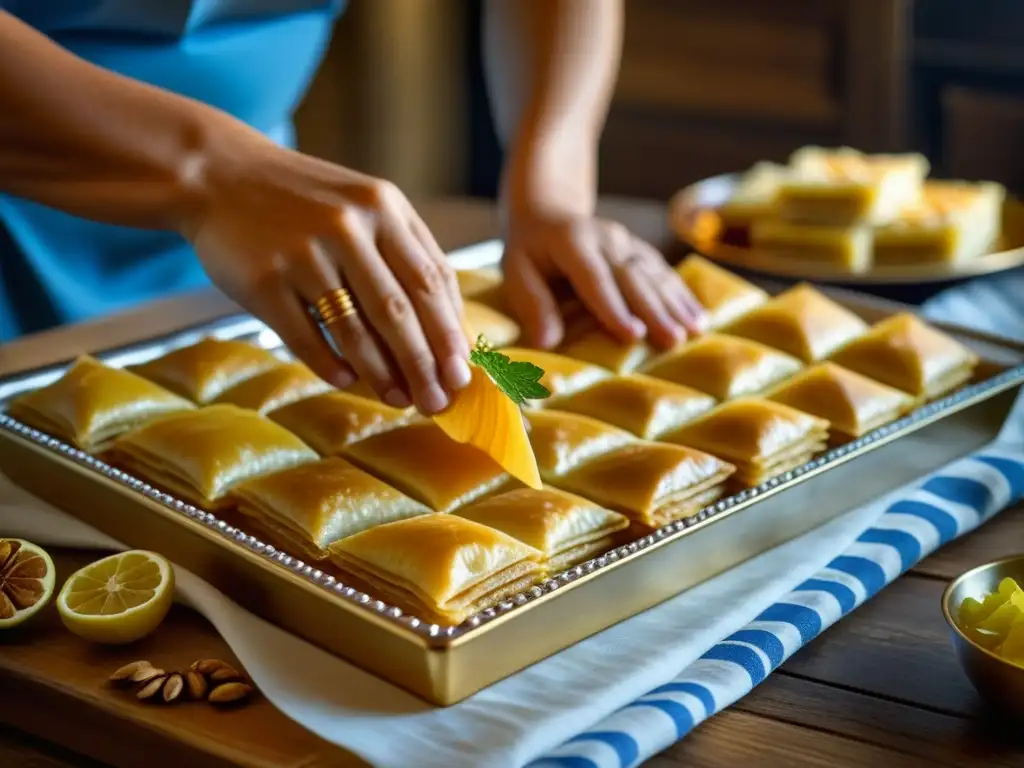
(439, 568)
(801, 322)
(601, 348)
(565, 528)
(423, 462)
(563, 376)
(761, 437)
(200, 456)
(499, 329)
(723, 295)
(93, 403)
(853, 404)
(754, 195)
(330, 422)
(562, 441)
(724, 367)
(907, 353)
(203, 371)
(307, 507)
(651, 483)
(646, 406)
(845, 248)
(281, 385)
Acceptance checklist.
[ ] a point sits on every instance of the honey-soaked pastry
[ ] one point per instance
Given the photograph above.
(562, 441)
(801, 322)
(499, 329)
(421, 461)
(200, 456)
(330, 422)
(93, 403)
(724, 367)
(439, 568)
(652, 483)
(203, 371)
(599, 347)
(853, 404)
(473, 282)
(754, 195)
(563, 376)
(646, 406)
(314, 504)
(845, 248)
(761, 437)
(723, 295)
(907, 353)
(276, 388)
(565, 528)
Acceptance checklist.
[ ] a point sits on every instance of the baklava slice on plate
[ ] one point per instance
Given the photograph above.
(566, 529)
(275, 388)
(754, 196)
(563, 376)
(601, 348)
(905, 352)
(853, 404)
(651, 483)
(846, 249)
(723, 295)
(203, 371)
(200, 456)
(423, 462)
(646, 406)
(562, 441)
(309, 506)
(93, 403)
(724, 367)
(332, 421)
(761, 437)
(439, 568)
(801, 322)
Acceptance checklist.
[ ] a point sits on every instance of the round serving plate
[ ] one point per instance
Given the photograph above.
(694, 219)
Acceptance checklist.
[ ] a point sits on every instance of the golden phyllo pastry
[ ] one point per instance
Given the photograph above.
(565, 528)
(724, 367)
(499, 329)
(199, 456)
(907, 353)
(801, 322)
(562, 441)
(646, 406)
(439, 568)
(652, 483)
(844, 248)
(423, 462)
(853, 404)
(473, 282)
(723, 295)
(307, 507)
(754, 195)
(601, 348)
(332, 421)
(93, 403)
(203, 371)
(281, 385)
(761, 437)
(563, 376)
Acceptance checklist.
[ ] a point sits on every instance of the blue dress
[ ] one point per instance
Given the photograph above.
(251, 58)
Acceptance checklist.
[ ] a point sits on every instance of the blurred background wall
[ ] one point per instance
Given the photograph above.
(706, 87)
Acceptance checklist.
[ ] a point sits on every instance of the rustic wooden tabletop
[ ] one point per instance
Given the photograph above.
(881, 688)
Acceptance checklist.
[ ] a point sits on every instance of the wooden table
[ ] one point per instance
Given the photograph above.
(881, 688)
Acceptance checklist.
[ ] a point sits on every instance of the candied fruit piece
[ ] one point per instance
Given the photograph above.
(1008, 588)
(1003, 618)
(1012, 648)
(973, 612)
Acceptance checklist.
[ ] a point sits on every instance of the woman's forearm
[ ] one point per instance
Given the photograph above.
(551, 68)
(92, 143)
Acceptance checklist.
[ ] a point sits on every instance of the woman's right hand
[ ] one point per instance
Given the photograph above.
(276, 230)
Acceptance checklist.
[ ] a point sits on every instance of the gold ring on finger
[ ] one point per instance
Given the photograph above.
(334, 306)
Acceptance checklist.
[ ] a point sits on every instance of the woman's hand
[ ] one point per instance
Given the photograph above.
(277, 230)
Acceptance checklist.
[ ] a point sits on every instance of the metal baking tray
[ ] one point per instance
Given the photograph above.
(446, 664)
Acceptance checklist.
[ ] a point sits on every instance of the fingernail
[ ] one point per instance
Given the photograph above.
(344, 379)
(637, 328)
(457, 373)
(434, 399)
(396, 398)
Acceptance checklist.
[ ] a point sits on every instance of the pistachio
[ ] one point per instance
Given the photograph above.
(229, 693)
(173, 687)
(197, 686)
(145, 674)
(126, 674)
(152, 688)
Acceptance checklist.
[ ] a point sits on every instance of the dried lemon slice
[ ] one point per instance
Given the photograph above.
(118, 599)
(26, 581)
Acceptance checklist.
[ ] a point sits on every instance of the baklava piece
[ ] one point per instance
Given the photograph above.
(724, 367)
(563, 376)
(907, 353)
(646, 406)
(203, 371)
(331, 422)
(853, 404)
(651, 483)
(200, 456)
(801, 322)
(473, 282)
(421, 461)
(307, 507)
(438, 568)
(754, 196)
(761, 437)
(566, 529)
(843, 248)
(723, 295)
(499, 329)
(276, 388)
(563, 441)
(93, 403)
(601, 348)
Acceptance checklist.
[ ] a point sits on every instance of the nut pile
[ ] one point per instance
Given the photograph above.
(209, 680)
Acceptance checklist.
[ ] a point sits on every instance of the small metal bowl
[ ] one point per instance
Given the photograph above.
(996, 679)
